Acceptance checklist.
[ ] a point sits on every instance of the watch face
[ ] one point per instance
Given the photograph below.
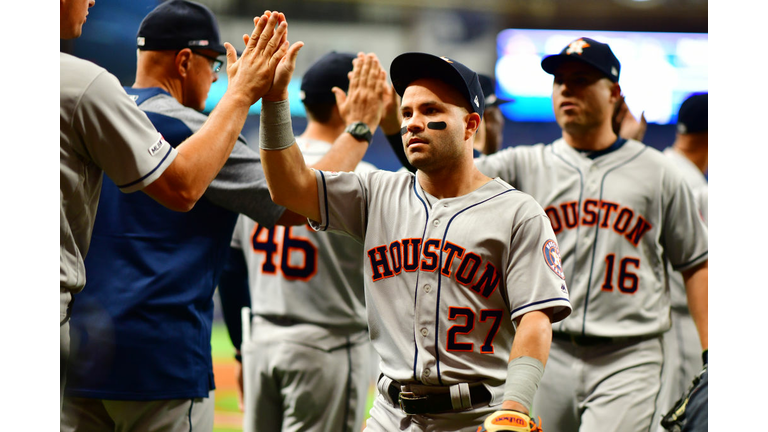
(360, 130)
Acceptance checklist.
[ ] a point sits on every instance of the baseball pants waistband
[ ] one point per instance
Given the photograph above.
(599, 340)
(456, 397)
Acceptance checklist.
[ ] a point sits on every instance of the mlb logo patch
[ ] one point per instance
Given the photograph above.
(552, 258)
(157, 146)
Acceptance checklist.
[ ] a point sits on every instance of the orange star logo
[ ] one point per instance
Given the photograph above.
(446, 59)
(577, 47)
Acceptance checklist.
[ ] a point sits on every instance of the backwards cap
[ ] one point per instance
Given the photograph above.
(409, 67)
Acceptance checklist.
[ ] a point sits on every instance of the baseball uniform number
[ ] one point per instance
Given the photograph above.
(628, 281)
(469, 325)
(298, 256)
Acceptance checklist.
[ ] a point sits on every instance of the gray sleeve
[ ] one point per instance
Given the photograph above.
(241, 187)
(343, 198)
(119, 137)
(685, 232)
(534, 273)
(500, 164)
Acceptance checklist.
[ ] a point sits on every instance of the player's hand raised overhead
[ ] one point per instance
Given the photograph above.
(624, 123)
(251, 75)
(367, 89)
(391, 119)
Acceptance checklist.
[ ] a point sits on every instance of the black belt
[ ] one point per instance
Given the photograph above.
(599, 340)
(434, 403)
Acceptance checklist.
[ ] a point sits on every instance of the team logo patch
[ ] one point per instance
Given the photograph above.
(157, 146)
(552, 257)
(577, 47)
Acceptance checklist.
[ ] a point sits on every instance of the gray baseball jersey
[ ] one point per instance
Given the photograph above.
(297, 273)
(101, 128)
(617, 215)
(307, 294)
(444, 276)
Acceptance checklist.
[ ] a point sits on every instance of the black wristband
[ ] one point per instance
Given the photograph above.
(705, 357)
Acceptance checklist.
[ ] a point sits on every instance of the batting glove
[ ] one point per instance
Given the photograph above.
(509, 421)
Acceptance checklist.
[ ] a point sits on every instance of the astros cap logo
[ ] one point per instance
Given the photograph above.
(577, 47)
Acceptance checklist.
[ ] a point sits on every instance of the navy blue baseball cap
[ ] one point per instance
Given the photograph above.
(589, 51)
(407, 68)
(178, 24)
(693, 114)
(326, 73)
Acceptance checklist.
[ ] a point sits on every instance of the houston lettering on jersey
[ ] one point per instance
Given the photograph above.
(410, 255)
(605, 214)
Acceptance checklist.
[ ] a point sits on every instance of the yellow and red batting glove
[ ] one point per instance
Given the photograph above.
(509, 421)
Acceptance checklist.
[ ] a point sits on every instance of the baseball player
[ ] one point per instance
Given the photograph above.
(102, 130)
(308, 358)
(621, 211)
(682, 349)
(462, 272)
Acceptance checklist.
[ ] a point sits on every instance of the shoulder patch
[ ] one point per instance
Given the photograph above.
(156, 147)
(552, 257)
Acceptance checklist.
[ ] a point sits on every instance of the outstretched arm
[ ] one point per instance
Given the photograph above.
(291, 183)
(203, 154)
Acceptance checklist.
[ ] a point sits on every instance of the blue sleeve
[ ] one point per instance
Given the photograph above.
(234, 293)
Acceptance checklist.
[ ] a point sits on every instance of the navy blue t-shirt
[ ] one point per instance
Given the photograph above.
(141, 327)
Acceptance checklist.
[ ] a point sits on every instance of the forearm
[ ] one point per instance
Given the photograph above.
(697, 290)
(532, 339)
(344, 155)
(291, 183)
(203, 154)
(200, 157)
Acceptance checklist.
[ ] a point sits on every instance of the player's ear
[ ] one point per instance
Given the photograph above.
(473, 123)
(615, 92)
(183, 61)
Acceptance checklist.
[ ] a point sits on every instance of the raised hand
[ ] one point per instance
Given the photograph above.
(251, 75)
(391, 119)
(364, 101)
(624, 123)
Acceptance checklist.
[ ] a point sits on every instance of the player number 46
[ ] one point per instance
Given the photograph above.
(279, 243)
(627, 281)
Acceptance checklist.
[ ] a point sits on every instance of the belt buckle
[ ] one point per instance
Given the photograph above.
(411, 397)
